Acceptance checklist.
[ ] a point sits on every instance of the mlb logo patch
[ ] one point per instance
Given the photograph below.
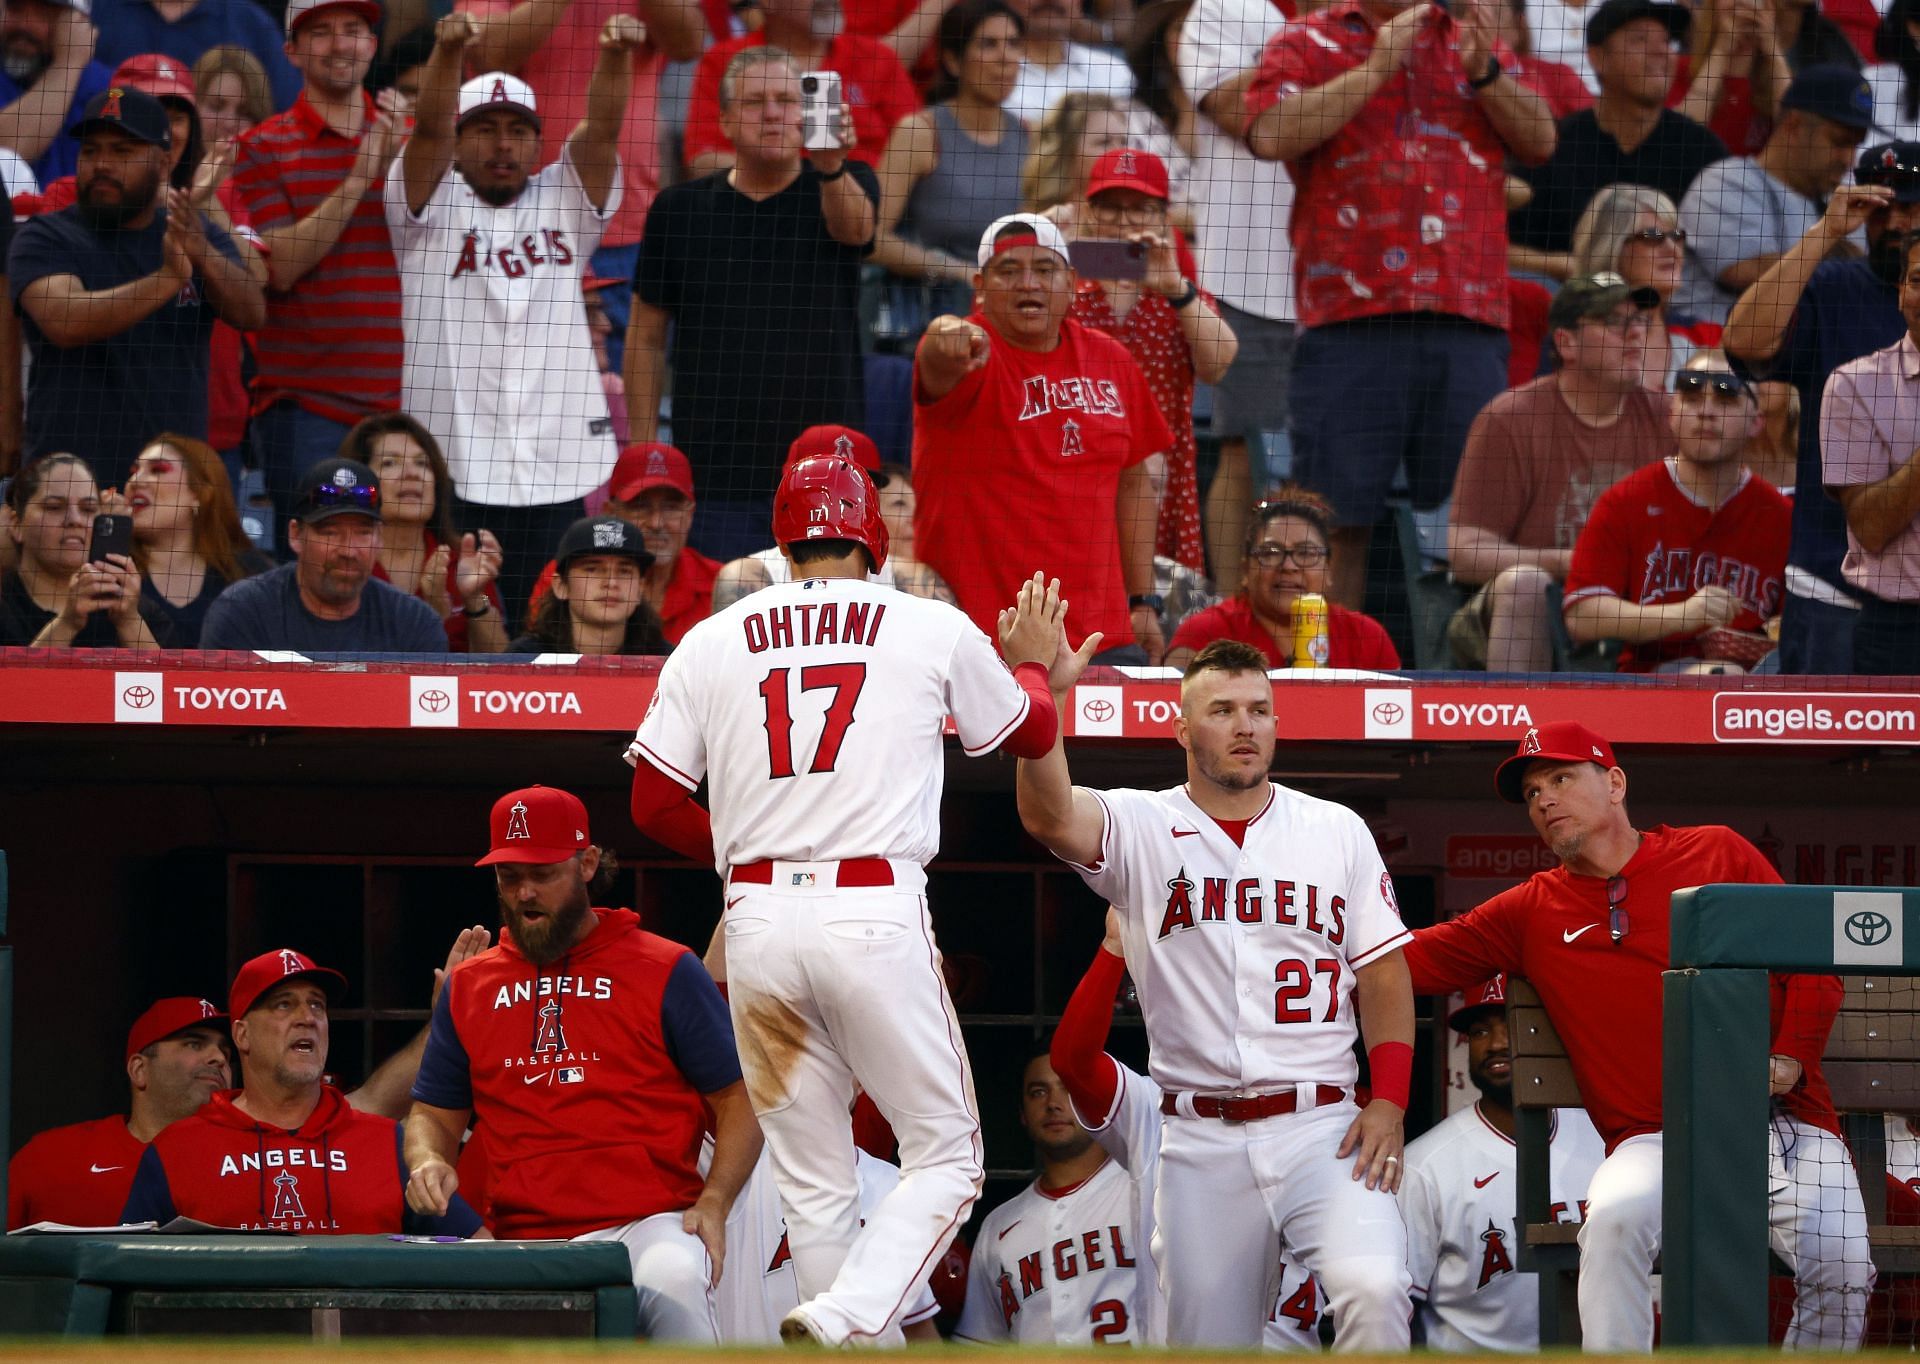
(570, 1075)
(802, 880)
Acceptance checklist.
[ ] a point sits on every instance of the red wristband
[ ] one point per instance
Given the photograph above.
(1390, 1066)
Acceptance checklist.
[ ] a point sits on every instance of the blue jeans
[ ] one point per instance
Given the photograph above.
(617, 262)
(1816, 638)
(288, 440)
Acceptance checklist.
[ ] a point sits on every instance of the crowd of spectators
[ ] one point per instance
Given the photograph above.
(374, 317)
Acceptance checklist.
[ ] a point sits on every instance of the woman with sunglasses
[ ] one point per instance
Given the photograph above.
(1288, 537)
(1635, 231)
(55, 597)
(186, 535)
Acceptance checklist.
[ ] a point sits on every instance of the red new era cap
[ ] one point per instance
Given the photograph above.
(269, 969)
(1125, 168)
(647, 465)
(1563, 742)
(1491, 995)
(835, 442)
(537, 824)
(168, 1016)
(157, 75)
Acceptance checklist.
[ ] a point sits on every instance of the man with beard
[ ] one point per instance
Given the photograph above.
(1261, 931)
(812, 32)
(47, 76)
(590, 1051)
(120, 292)
(1055, 66)
(1802, 320)
(1591, 936)
(286, 1151)
(327, 600)
(491, 256)
(1461, 1239)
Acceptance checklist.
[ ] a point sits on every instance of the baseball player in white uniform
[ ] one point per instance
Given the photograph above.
(1460, 1198)
(1258, 923)
(815, 710)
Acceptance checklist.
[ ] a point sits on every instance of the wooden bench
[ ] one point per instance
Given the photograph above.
(1872, 1065)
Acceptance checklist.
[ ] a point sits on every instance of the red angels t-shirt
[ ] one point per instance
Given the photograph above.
(1016, 470)
(79, 1175)
(1647, 541)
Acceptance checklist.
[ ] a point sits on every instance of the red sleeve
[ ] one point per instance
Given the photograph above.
(1804, 1006)
(1079, 1052)
(1368, 645)
(1298, 58)
(664, 811)
(1199, 630)
(703, 106)
(1602, 555)
(258, 186)
(1465, 951)
(1033, 737)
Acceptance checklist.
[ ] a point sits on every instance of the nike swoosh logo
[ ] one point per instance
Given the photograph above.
(1010, 1226)
(535, 1079)
(102, 1169)
(735, 900)
(1482, 1183)
(1186, 833)
(1569, 935)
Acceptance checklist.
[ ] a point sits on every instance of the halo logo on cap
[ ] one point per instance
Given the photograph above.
(1531, 744)
(1124, 164)
(290, 963)
(111, 109)
(517, 822)
(499, 95)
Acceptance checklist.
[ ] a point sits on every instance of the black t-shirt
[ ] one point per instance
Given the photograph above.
(22, 619)
(266, 612)
(178, 627)
(766, 326)
(1587, 159)
(104, 400)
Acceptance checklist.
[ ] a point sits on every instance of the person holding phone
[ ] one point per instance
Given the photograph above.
(1132, 289)
(66, 590)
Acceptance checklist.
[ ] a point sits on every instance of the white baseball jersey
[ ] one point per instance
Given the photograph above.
(780, 571)
(1244, 955)
(1459, 1199)
(1903, 1150)
(757, 1286)
(499, 361)
(816, 710)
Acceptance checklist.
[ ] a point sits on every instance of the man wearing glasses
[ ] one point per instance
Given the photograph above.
(1685, 560)
(1591, 936)
(327, 600)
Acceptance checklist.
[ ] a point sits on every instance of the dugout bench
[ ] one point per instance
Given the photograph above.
(321, 1287)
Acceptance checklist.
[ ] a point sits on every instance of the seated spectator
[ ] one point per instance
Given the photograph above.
(893, 482)
(1560, 85)
(185, 31)
(1685, 559)
(327, 600)
(1754, 49)
(1634, 231)
(231, 93)
(1169, 325)
(421, 550)
(873, 83)
(758, 269)
(1289, 542)
(652, 490)
(955, 166)
(598, 603)
(1536, 459)
(55, 597)
(1742, 214)
(1055, 65)
(286, 1151)
(1629, 136)
(526, 438)
(120, 293)
(80, 1174)
(186, 534)
(1869, 431)
(47, 77)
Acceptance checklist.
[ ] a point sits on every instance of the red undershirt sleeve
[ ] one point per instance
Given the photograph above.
(1033, 737)
(665, 811)
(1079, 1052)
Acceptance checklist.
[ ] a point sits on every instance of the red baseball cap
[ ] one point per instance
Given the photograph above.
(540, 824)
(592, 283)
(299, 11)
(156, 74)
(165, 1017)
(834, 442)
(1490, 995)
(650, 464)
(1126, 168)
(269, 969)
(1562, 742)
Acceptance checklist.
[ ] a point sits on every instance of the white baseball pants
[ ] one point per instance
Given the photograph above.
(671, 1270)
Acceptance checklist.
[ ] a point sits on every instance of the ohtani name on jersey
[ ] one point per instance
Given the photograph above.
(822, 622)
(524, 991)
(1092, 1251)
(512, 260)
(1098, 396)
(283, 1158)
(1294, 904)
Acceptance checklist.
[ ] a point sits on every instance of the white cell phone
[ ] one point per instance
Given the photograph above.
(820, 111)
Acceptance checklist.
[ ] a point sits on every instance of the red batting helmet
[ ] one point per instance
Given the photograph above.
(826, 498)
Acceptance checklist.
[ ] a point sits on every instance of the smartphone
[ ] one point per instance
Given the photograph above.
(1100, 259)
(112, 534)
(820, 110)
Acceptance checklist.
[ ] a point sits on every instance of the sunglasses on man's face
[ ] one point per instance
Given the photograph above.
(363, 496)
(1727, 390)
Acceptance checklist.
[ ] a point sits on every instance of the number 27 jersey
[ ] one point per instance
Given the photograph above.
(817, 709)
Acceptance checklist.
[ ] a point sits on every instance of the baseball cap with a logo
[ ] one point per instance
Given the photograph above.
(130, 111)
(1490, 994)
(270, 968)
(337, 487)
(1126, 168)
(647, 465)
(1562, 742)
(1895, 165)
(602, 535)
(1596, 296)
(299, 11)
(1039, 232)
(154, 73)
(165, 1017)
(837, 442)
(497, 90)
(1839, 94)
(538, 824)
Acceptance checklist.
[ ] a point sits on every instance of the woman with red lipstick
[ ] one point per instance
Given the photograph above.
(186, 535)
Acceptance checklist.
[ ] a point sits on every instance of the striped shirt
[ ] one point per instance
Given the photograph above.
(332, 342)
